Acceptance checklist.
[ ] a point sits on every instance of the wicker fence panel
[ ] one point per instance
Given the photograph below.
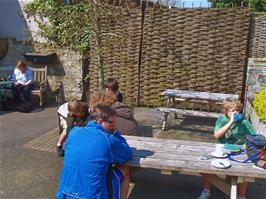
(258, 36)
(193, 49)
(121, 33)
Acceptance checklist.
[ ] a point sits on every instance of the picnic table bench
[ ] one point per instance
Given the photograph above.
(184, 156)
(178, 98)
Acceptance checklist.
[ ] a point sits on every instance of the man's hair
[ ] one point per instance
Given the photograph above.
(74, 106)
(101, 97)
(111, 84)
(227, 104)
(102, 112)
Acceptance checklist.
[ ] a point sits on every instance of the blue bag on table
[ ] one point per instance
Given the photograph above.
(255, 150)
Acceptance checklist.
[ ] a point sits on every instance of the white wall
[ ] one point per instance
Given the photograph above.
(13, 21)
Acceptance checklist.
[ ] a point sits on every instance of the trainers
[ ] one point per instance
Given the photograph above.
(205, 194)
(59, 150)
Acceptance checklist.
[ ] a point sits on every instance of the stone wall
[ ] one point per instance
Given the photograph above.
(67, 70)
(259, 126)
(256, 76)
(66, 67)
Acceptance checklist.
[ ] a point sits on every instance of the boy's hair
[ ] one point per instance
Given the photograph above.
(102, 112)
(111, 84)
(227, 104)
(101, 97)
(74, 106)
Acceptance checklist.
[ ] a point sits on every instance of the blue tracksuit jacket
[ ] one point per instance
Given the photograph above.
(89, 151)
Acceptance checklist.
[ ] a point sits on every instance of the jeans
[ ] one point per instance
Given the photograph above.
(24, 90)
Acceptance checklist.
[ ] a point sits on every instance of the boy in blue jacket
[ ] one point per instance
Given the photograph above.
(89, 153)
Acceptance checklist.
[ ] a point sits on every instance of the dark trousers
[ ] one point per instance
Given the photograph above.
(25, 90)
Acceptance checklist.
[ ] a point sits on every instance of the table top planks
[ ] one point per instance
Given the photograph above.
(198, 95)
(179, 155)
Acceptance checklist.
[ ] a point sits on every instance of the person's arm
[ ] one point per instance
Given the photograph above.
(249, 128)
(29, 74)
(121, 151)
(70, 123)
(14, 76)
(221, 131)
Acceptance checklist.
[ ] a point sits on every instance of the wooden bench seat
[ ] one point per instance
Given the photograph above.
(39, 77)
(177, 99)
(189, 112)
(166, 112)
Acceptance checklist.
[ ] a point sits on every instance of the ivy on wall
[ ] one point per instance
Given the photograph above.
(62, 24)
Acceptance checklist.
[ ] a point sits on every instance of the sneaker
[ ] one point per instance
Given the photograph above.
(59, 150)
(204, 194)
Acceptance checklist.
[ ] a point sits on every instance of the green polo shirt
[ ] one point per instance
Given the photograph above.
(237, 132)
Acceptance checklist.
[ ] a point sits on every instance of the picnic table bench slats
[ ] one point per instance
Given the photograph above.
(178, 98)
(189, 112)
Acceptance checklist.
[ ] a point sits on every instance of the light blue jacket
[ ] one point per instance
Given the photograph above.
(89, 151)
(22, 78)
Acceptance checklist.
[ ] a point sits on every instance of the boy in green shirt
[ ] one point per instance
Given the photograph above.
(228, 130)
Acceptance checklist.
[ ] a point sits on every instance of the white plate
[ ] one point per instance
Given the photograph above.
(221, 164)
(214, 154)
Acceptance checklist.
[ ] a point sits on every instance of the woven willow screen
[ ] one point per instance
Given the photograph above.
(258, 36)
(191, 49)
(121, 35)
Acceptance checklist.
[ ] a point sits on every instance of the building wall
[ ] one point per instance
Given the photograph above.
(21, 32)
(65, 68)
(14, 23)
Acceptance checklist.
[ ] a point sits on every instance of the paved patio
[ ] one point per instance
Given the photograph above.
(31, 169)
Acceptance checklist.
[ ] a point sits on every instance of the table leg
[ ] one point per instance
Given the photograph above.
(165, 114)
(233, 192)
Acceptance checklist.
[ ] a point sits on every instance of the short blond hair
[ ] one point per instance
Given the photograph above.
(227, 104)
(103, 98)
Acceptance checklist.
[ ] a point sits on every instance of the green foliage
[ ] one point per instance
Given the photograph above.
(67, 25)
(256, 5)
(259, 104)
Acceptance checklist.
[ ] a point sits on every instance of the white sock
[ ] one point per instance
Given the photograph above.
(58, 144)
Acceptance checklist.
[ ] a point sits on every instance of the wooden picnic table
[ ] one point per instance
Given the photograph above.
(177, 98)
(184, 156)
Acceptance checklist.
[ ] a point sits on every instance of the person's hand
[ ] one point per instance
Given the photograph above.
(232, 116)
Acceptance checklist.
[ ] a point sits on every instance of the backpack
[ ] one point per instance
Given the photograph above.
(255, 150)
(24, 107)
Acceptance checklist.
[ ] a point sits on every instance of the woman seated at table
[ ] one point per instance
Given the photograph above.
(23, 82)
(228, 130)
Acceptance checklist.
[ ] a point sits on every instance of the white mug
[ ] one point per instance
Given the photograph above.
(219, 149)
